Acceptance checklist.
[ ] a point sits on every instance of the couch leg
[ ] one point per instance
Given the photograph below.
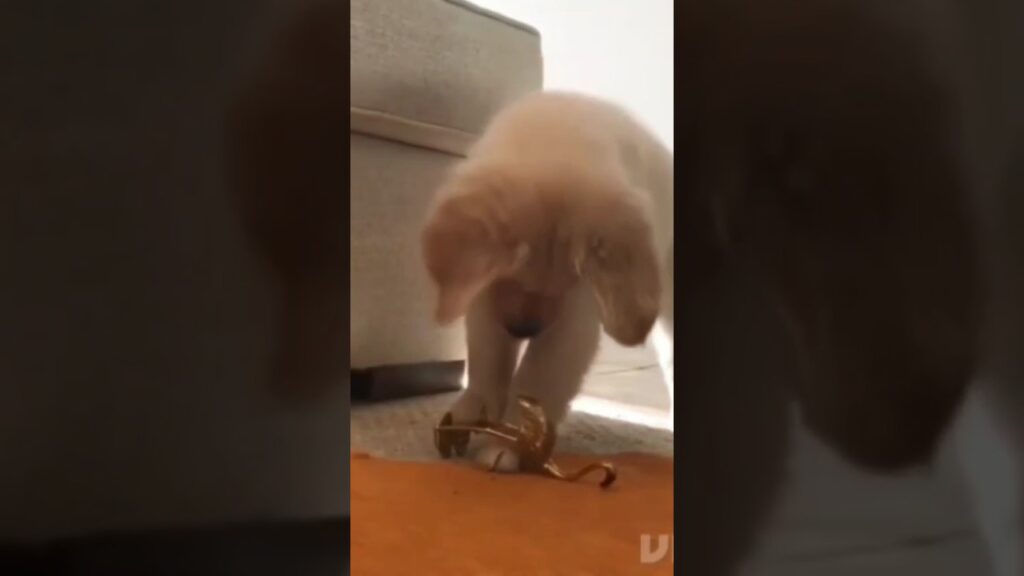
(394, 382)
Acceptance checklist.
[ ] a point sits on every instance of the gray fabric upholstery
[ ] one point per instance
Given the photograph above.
(427, 75)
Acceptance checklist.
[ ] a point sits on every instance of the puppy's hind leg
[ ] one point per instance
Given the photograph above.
(663, 347)
(664, 331)
(554, 365)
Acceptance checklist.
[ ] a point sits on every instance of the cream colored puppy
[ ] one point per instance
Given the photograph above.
(558, 222)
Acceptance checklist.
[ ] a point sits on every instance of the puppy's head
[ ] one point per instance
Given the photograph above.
(528, 235)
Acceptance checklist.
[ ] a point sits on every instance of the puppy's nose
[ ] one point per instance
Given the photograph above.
(524, 330)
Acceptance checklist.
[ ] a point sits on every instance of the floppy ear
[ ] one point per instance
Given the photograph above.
(463, 254)
(619, 262)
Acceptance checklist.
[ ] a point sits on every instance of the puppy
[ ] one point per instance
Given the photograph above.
(558, 223)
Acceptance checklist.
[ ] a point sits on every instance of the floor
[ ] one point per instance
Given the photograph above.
(832, 519)
(916, 524)
(629, 376)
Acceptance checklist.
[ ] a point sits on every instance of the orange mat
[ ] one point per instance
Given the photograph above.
(450, 519)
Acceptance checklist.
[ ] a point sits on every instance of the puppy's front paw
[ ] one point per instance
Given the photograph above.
(472, 408)
(497, 456)
(492, 454)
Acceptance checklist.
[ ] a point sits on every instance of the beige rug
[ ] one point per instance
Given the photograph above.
(403, 430)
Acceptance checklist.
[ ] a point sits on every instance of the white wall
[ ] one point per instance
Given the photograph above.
(617, 49)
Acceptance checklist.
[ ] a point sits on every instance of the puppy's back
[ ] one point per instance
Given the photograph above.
(553, 129)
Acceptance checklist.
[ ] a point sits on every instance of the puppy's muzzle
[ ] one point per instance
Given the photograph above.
(524, 330)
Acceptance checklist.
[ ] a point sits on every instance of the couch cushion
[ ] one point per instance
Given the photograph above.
(432, 72)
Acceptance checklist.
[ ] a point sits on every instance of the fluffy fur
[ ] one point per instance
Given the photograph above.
(558, 222)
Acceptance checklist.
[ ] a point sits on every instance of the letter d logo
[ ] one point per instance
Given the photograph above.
(649, 556)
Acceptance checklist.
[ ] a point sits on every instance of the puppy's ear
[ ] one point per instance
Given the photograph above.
(618, 260)
(463, 254)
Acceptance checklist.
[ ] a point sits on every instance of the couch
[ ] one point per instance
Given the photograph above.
(426, 77)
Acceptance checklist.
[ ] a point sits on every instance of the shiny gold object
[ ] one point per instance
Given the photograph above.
(533, 441)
